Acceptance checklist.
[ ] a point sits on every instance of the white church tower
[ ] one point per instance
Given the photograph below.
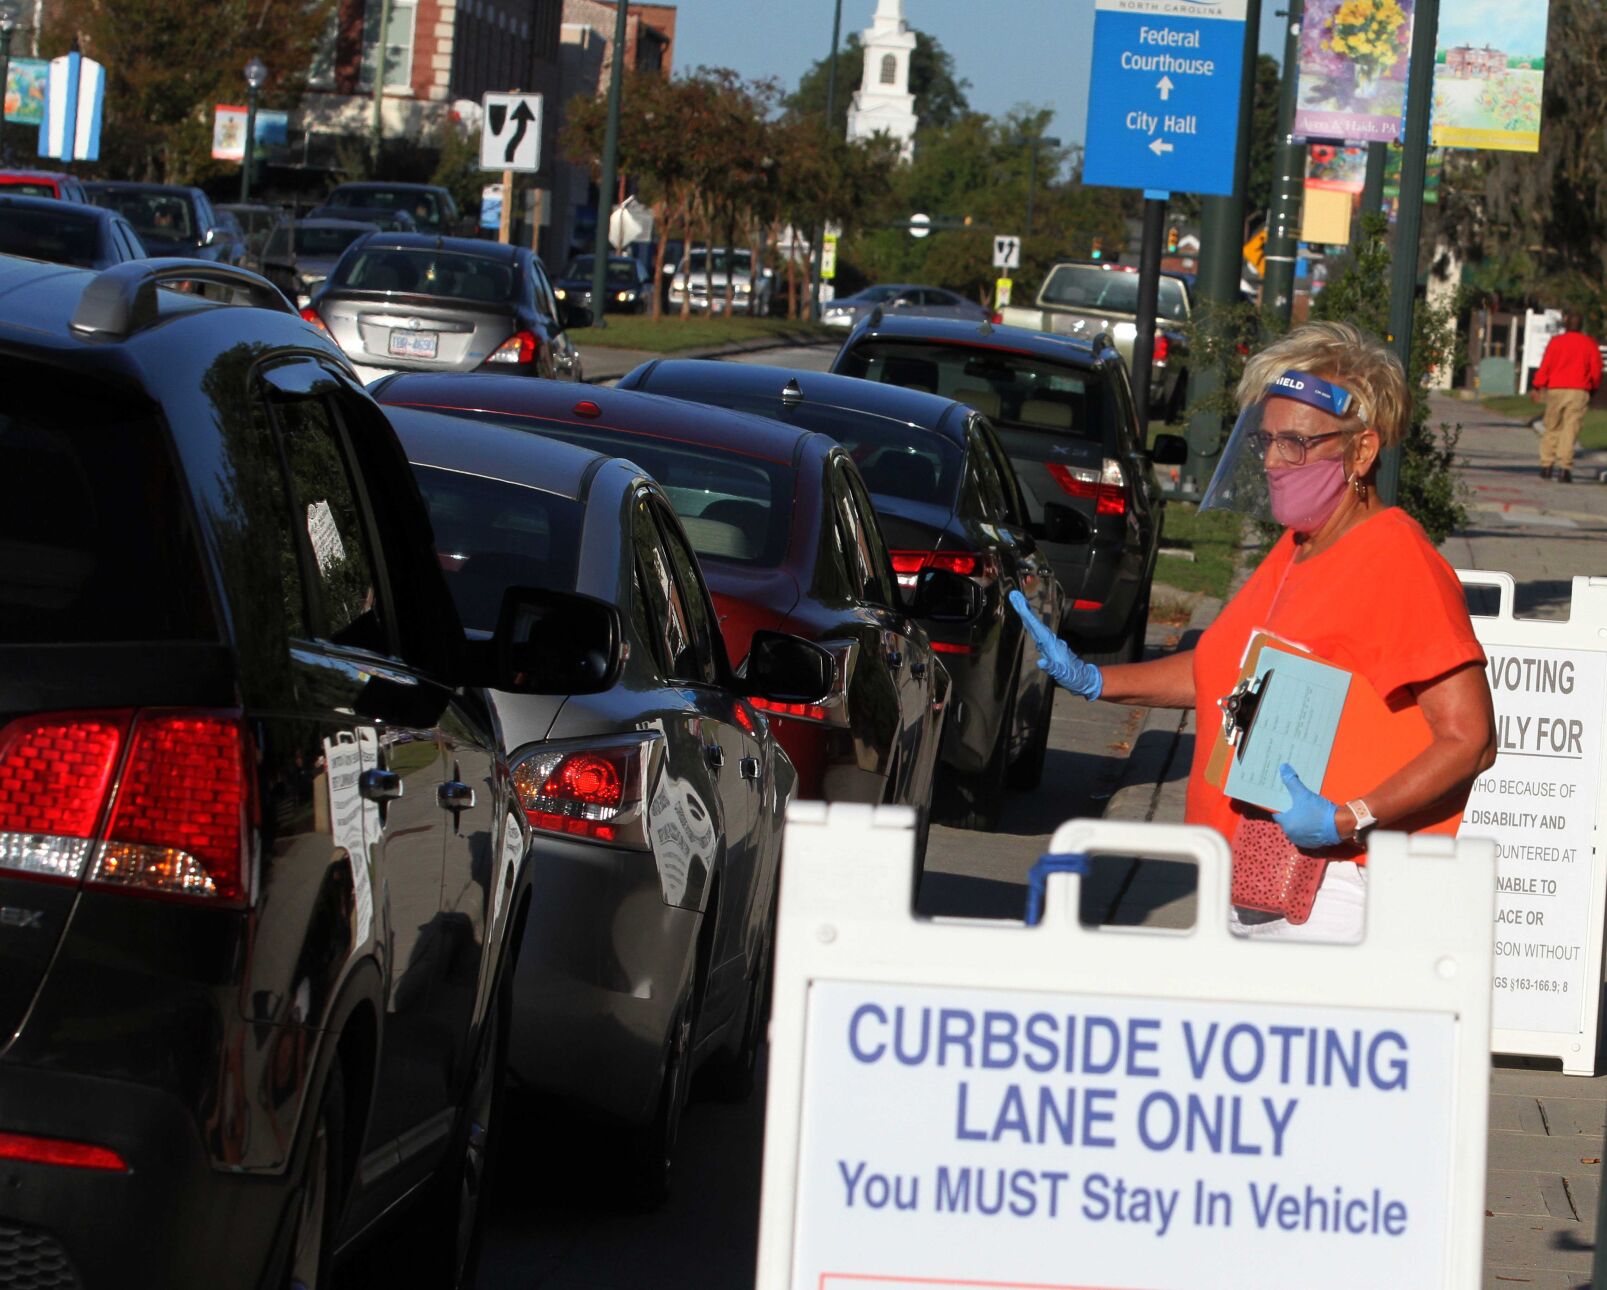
(883, 103)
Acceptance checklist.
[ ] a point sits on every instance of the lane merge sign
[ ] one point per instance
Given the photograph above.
(1007, 252)
(510, 132)
(1164, 94)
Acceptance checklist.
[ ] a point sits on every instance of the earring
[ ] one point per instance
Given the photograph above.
(1358, 485)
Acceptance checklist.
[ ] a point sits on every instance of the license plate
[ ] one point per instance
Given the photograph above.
(414, 344)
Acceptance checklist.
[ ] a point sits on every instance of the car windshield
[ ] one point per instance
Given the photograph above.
(621, 271)
(82, 559)
(1021, 391)
(491, 535)
(722, 261)
(422, 205)
(27, 187)
(1116, 290)
(157, 217)
(48, 235)
(314, 242)
(875, 295)
(425, 271)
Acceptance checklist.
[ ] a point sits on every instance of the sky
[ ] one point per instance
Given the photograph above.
(1032, 52)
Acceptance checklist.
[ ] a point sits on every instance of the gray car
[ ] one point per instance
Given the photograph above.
(409, 301)
(903, 299)
(300, 256)
(655, 800)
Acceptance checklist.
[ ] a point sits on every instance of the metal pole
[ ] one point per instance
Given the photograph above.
(251, 139)
(1283, 238)
(381, 66)
(1032, 179)
(831, 111)
(1372, 192)
(1149, 284)
(1409, 220)
(7, 26)
(605, 189)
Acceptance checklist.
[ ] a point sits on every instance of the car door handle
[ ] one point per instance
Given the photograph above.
(379, 785)
(715, 754)
(749, 767)
(895, 659)
(454, 795)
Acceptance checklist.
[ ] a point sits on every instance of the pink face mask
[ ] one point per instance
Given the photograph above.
(1304, 496)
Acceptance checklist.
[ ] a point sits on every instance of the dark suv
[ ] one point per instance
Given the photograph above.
(1063, 409)
(171, 219)
(259, 860)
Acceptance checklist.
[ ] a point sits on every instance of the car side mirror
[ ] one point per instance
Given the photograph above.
(573, 315)
(788, 669)
(1169, 450)
(213, 235)
(1062, 525)
(553, 642)
(942, 596)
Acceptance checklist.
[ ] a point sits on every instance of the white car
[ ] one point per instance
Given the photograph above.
(708, 271)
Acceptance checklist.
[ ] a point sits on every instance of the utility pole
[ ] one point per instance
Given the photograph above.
(1372, 189)
(381, 66)
(1221, 252)
(1283, 237)
(1409, 219)
(601, 246)
(819, 237)
(1149, 285)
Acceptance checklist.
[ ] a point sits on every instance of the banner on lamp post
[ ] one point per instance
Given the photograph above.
(1353, 56)
(1489, 75)
(25, 90)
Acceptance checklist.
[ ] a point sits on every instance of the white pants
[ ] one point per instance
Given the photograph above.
(1338, 915)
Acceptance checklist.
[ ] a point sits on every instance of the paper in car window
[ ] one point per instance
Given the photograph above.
(1296, 723)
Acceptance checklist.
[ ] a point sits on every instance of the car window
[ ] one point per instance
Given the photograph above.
(344, 593)
(1112, 289)
(421, 204)
(700, 617)
(1013, 508)
(85, 476)
(158, 217)
(881, 583)
(541, 288)
(986, 491)
(426, 271)
(854, 530)
(492, 535)
(672, 638)
(49, 235)
(311, 240)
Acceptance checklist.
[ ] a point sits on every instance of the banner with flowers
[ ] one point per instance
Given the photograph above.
(1489, 72)
(25, 90)
(1353, 56)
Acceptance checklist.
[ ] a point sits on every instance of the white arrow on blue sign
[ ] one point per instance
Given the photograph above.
(1163, 100)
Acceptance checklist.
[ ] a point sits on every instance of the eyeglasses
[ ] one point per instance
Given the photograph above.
(1291, 447)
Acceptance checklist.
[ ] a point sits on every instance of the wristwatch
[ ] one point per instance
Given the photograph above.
(1365, 819)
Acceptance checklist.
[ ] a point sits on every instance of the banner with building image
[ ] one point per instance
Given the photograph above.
(1489, 74)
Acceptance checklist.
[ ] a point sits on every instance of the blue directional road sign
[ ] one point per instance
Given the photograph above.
(1163, 100)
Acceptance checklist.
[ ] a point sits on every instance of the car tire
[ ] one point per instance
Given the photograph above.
(449, 1221)
(312, 1245)
(1026, 772)
(649, 1152)
(978, 799)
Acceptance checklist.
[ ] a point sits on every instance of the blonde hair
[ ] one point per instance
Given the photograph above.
(1347, 356)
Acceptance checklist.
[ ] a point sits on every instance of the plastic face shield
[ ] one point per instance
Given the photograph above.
(1240, 480)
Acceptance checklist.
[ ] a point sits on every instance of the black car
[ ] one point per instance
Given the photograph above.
(628, 286)
(1063, 408)
(387, 221)
(259, 855)
(256, 220)
(430, 205)
(946, 498)
(171, 219)
(74, 233)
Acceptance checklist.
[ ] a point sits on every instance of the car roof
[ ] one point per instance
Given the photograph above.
(756, 381)
(324, 221)
(494, 451)
(367, 184)
(79, 210)
(133, 186)
(1077, 350)
(622, 411)
(28, 172)
(434, 242)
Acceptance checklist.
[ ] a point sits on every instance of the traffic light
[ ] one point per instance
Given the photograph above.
(1099, 249)
(1171, 240)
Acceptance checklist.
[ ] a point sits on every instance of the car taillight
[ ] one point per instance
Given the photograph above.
(181, 813)
(521, 347)
(60, 1151)
(833, 711)
(996, 318)
(1106, 488)
(1163, 347)
(587, 789)
(907, 565)
(54, 774)
(310, 315)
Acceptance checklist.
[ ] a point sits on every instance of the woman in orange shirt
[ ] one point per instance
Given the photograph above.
(1352, 582)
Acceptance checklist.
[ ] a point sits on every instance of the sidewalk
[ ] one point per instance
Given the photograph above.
(1546, 1129)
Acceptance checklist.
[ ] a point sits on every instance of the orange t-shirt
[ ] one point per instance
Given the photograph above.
(1381, 603)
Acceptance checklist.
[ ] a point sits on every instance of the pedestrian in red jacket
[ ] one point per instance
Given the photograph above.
(1569, 374)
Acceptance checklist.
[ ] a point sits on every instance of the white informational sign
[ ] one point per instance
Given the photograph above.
(1007, 252)
(327, 547)
(828, 257)
(229, 131)
(1001, 293)
(491, 207)
(979, 1103)
(353, 822)
(510, 133)
(1538, 329)
(1548, 679)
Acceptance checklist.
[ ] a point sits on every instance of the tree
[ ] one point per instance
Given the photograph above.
(939, 96)
(168, 62)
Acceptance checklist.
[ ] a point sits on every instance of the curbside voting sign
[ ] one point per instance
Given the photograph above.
(986, 1104)
(1538, 803)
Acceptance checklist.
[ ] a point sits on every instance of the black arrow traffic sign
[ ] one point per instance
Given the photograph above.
(522, 116)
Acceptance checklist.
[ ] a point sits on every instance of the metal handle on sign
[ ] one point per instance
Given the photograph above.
(379, 785)
(1038, 878)
(454, 795)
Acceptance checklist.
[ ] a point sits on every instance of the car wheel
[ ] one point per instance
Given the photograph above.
(312, 1246)
(978, 799)
(649, 1153)
(451, 1217)
(1026, 772)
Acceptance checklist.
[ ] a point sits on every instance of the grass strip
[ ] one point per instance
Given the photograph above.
(1592, 435)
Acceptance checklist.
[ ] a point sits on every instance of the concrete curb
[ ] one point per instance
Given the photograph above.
(786, 340)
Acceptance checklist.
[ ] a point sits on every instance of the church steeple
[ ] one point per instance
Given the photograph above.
(883, 103)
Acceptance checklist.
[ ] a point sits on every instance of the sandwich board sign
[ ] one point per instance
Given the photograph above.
(1539, 804)
(968, 1102)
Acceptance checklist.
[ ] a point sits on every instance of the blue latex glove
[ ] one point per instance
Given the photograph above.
(1054, 657)
(1309, 821)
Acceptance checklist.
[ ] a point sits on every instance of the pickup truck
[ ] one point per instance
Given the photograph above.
(1085, 297)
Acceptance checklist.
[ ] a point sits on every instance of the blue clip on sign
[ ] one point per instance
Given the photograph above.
(1061, 862)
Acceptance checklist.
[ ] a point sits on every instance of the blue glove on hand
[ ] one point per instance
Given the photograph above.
(1069, 671)
(1309, 821)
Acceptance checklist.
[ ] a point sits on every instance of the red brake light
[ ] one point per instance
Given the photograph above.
(908, 561)
(58, 1151)
(309, 314)
(521, 347)
(950, 647)
(996, 318)
(1106, 488)
(1163, 347)
(800, 711)
(54, 774)
(586, 408)
(594, 792)
(968, 563)
(595, 781)
(178, 825)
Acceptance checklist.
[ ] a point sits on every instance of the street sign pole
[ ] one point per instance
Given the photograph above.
(1149, 282)
(605, 190)
(505, 226)
(1409, 219)
(1278, 278)
(1372, 191)
(819, 230)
